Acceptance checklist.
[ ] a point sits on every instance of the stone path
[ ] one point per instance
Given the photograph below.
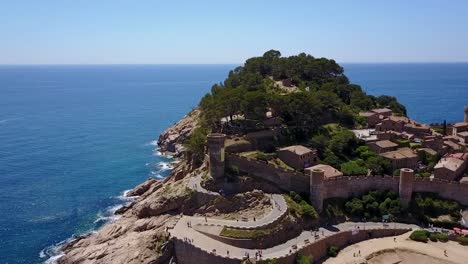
(183, 232)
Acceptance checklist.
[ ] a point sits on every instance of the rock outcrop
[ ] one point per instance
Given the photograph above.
(173, 138)
(140, 234)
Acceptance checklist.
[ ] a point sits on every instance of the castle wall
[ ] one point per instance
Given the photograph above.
(284, 179)
(318, 249)
(345, 186)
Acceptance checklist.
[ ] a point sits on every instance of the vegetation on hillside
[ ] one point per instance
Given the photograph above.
(424, 207)
(299, 207)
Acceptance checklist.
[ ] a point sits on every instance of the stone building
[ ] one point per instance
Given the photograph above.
(385, 112)
(419, 130)
(436, 143)
(463, 137)
(382, 146)
(372, 118)
(402, 158)
(392, 123)
(459, 127)
(298, 156)
(450, 168)
(329, 171)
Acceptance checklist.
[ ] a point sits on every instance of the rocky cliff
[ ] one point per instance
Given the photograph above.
(173, 138)
(139, 234)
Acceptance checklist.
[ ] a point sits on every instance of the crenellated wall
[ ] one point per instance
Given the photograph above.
(346, 186)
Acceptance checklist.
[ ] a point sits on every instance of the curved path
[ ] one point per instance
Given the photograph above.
(184, 232)
(280, 209)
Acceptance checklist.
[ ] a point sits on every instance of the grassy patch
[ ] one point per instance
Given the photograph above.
(245, 233)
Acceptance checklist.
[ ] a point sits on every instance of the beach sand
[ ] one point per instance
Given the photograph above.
(402, 251)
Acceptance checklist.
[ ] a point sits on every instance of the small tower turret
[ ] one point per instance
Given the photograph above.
(216, 154)
(406, 185)
(316, 188)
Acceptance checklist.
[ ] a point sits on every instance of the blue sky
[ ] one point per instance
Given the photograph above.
(147, 32)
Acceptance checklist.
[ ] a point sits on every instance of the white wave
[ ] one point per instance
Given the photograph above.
(109, 215)
(164, 166)
(124, 196)
(156, 175)
(54, 252)
(153, 143)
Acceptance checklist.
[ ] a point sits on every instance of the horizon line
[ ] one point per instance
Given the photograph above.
(226, 63)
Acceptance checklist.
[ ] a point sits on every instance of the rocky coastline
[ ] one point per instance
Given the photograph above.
(139, 233)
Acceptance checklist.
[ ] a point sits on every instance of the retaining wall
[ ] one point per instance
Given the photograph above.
(187, 253)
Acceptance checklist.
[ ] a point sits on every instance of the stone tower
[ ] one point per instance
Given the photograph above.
(216, 154)
(406, 185)
(466, 114)
(316, 188)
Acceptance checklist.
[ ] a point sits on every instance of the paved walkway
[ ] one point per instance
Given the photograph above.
(278, 203)
(183, 231)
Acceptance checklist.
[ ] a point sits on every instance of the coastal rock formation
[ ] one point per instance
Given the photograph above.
(139, 234)
(173, 138)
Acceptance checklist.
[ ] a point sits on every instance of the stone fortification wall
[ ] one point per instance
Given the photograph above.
(186, 253)
(318, 249)
(346, 186)
(284, 179)
(448, 189)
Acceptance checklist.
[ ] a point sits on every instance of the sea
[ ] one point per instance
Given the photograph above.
(74, 138)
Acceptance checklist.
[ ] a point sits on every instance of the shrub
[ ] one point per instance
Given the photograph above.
(442, 237)
(332, 251)
(433, 237)
(420, 235)
(303, 259)
(463, 240)
(355, 167)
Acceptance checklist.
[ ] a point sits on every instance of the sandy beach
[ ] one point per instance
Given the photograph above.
(401, 249)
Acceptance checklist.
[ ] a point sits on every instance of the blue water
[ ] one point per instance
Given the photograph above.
(430, 92)
(73, 138)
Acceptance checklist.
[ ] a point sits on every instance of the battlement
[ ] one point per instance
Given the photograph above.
(347, 186)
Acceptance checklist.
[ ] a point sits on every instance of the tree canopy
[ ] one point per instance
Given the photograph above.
(321, 94)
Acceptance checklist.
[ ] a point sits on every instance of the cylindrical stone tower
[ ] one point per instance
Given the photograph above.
(466, 114)
(316, 188)
(406, 185)
(216, 154)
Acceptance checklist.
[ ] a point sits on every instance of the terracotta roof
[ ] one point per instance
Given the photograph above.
(449, 163)
(460, 124)
(462, 156)
(297, 149)
(463, 134)
(366, 114)
(429, 151)
(329, 170)
(399, 119)
(381, 110)
(452, 144)
(464, 179)
(401, 153)
(386, 144)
